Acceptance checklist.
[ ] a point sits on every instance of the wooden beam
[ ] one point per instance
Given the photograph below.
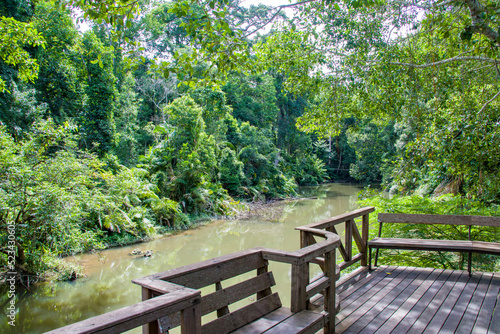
(341, 218)
(191, 320)
(152, 327)
(342, 251)
(242, 316)
(222, 298)
(317, 286)
(135, 315)
(300, 280)
(355, 258)
(170, 275)
(224, 309)
(422, 244)
(348, 239)
(365, 226)
(439, 219)
(304, 255)
(266, 292)
(330, 267)
(357, 238)
(216, 270)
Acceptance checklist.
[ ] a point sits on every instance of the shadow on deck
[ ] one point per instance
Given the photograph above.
(419, 300)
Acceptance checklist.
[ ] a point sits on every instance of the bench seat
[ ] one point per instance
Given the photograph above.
(422, 244)
(486, 247)
(463, 246)
(283, 320)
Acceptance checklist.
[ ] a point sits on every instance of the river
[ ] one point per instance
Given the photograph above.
(107, 285)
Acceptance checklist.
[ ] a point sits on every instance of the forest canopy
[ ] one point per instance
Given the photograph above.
(163, 113)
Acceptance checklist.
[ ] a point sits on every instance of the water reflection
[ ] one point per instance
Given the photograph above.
(108, 287)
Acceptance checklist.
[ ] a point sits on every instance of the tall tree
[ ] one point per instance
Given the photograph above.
(98, 126)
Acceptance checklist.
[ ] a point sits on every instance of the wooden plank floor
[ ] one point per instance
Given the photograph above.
(419, 300)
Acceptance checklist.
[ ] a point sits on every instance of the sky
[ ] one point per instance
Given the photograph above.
(268, 2)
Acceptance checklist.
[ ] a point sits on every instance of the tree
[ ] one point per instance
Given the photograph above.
(58, 83)
(98, 124)
(15, 35)
(253, 99)
(21, 110)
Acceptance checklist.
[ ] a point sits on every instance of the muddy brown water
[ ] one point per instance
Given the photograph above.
(108, 283)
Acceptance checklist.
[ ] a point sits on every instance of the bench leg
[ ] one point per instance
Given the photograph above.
(469, 264)
(369, 259)
(376, 257)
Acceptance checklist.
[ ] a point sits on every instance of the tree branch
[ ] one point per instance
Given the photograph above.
(296, 4)
(265, 24)
(486, 104)
(479, 26)
(435, 5)
(444, 61)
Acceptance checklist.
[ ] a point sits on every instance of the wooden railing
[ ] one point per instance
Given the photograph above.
(177, 299)
(174, 294)
(351, 233)
(303, 289)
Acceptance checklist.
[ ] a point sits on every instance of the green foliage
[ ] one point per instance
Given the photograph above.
(231, 172)
(59, 84)
(215, 109)
(98, 124)
(14, 35)
(253, 99)
(184, 163)
(445, 204)
(186, 117)
(62, 202)
(20, 110)
(127, 127)
(42, 195)
(373, 147)
(309, 170)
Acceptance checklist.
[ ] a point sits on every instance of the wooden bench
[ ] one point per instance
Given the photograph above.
(468, 246)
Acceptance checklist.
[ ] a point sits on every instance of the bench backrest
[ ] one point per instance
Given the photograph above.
(216, 275)
(438, 219)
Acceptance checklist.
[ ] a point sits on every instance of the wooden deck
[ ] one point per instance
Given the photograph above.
(419, 300)
(389, 299)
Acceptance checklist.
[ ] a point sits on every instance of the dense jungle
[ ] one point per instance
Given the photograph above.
(124, 120)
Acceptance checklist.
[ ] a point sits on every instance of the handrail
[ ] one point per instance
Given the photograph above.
(305, 254)
(187, 301)
(341, 218)
(307, 233)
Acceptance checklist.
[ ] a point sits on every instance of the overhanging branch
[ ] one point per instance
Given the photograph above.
(486, 104)
(442, 62)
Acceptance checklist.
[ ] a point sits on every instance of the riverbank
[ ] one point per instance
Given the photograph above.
(107, 283)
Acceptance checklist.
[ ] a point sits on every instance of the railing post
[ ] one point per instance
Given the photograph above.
(300, 280)
(224, 310)
(365, 224)
(266, 292)
(330, 268)
(303, 239)
(348, 239)
(191, 320)
(152, 327)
